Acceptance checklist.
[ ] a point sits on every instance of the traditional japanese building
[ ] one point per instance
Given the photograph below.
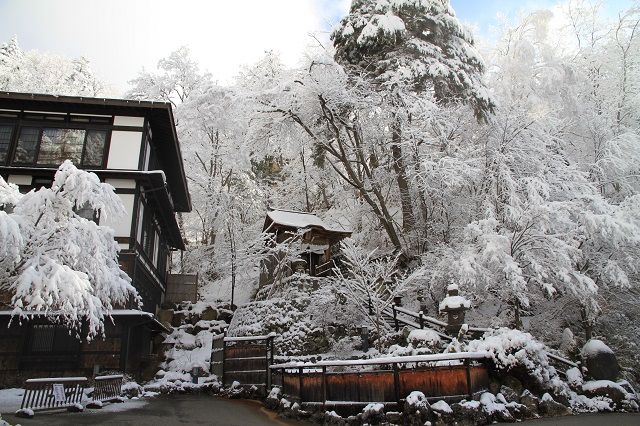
(133, 146)
(311, 237)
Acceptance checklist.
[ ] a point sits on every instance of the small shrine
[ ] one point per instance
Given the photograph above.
(312, 237)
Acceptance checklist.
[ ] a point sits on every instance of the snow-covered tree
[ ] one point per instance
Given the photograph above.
(57, 263)
(177, 77)
(371, 281)
(35, 72)
(414, 44)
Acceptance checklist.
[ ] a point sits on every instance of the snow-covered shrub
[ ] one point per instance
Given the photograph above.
(294, 317)
(516, 351)
(132, 390)
(419, 342)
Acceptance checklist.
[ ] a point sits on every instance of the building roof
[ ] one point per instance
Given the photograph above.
(300, 220)
(159, 114)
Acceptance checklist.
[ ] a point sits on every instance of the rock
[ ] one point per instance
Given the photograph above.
(550, 408)
(165, 315)
(225, 315)
(509, 394)
(198, 328)
(513, 383)
(372, 414)
(607, 389)
(416, 408)
(519, 411)
(188, 329)
(273, 399)
(209, 314)
(179, 318)
(600, 360)
(169, 305)
(329, 418)
(494, 385)
(531, 401)
(194, 318)
(394, 418)
(470, 414)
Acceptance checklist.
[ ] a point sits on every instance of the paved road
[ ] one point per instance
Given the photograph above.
(209, 410)
(600, 419)
(164, 410)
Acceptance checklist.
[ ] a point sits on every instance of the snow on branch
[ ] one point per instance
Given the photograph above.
(58, 263)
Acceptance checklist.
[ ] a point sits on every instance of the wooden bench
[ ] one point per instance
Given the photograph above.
(106, 389)
(52, 393)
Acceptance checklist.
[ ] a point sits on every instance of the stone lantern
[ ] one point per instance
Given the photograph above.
(455, 306)
(299, 265)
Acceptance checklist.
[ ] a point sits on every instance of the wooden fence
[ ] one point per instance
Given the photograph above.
(51, 393)
(383, 380)
(245, 360)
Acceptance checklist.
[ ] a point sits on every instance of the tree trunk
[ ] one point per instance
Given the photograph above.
(587, 324)
(408, 221)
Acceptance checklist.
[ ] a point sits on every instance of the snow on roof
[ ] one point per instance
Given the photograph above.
(299, 220)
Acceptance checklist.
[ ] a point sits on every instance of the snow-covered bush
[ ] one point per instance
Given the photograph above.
(419, 342)
(300, 327)
(516, 351)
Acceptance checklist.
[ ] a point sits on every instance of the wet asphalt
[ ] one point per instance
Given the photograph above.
(216, 411)
(164, 410)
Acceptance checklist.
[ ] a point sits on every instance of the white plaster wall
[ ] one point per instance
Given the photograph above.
(122, 227)
(20, 179)
(121, 183)
(120, 120)
(124, 150)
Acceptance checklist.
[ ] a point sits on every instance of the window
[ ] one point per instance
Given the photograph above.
(27, 143)
(94, 148)
(5, 140)
(50, 339)
(58, 145)
(51, 146)
(87, 212)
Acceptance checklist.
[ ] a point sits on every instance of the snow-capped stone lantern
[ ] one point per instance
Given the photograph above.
(455, 306)
(299, 265)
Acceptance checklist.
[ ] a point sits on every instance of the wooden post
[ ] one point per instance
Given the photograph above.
(396, 382)
(395, 318)
(466, 363)
(421, 318)
(224, 356)
(300, 376)
(324, 388)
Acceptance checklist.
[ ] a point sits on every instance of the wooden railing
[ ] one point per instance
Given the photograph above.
(423, 321)
(51, 393)
(383, 380)
(402, 316)
(323, 270)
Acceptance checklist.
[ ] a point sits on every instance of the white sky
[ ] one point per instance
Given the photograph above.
(120, 37)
